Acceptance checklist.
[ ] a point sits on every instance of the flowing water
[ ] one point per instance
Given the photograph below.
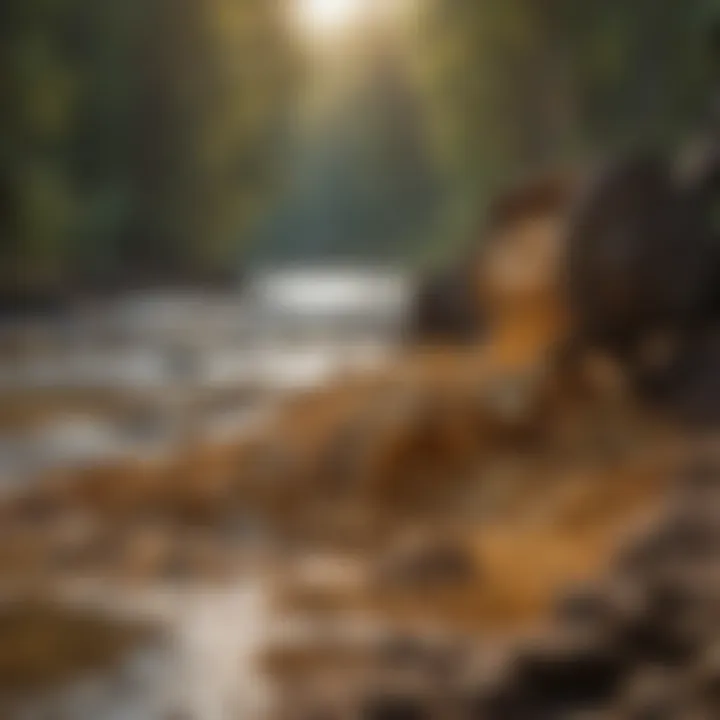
(173, 362)
(289, 330)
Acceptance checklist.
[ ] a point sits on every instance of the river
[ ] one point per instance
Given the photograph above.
(134, 377)
(135, 374)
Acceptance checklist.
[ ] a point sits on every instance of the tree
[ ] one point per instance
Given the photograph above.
(518, 85)
(138, 140)
(364, 185)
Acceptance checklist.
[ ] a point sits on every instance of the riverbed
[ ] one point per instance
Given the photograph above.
(140, 377)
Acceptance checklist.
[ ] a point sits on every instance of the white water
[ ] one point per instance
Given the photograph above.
(290, 330)
(204, 668)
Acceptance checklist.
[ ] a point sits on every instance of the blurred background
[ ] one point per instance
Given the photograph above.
(153, 145)
(217, 218)
(157, 160)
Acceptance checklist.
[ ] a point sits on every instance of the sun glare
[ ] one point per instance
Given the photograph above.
(325, 17)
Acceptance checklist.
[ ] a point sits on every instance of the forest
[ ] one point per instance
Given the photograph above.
(356, 360)
(151, 142)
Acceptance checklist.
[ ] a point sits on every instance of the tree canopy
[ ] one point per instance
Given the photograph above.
(171, 140)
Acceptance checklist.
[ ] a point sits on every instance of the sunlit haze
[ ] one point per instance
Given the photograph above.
(359, 359)
(326, 17)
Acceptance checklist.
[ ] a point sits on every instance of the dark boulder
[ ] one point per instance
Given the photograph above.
(639, 258)
(559, 677)
(391, 706)
(445, 309)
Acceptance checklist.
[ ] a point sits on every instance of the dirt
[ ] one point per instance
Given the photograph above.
(46, 645)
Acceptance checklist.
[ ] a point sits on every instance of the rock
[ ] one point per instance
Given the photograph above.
(421, 563)
(653, 692)
(638, 644)
(599, 611)
(445, 310)
(394, 707)
(146, 552)
(402, 651)
(680, 540)
(436, 662)
(557, 676)
(75, 540)
(568, 674)
(638, 257)
(694, 393)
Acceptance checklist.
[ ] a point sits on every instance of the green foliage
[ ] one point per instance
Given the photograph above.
(363, 185)
(517, 85)
(154, 139)
(138, 139)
